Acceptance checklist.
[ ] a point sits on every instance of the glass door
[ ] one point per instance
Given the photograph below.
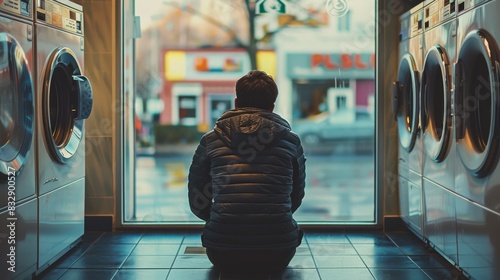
(190, 55)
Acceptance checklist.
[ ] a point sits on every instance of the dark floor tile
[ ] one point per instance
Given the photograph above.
(66, 261)
(378, 238)
(332, 249)
(84, 274)
(98, 261)
(415, 249)
(159, 262)
(110, 249)
(78, 250)
(404, 238)
(192, 261)
(378, 250)
(339, 261)
(296, 274)
(91, 236)
(161, 238)
(194, 274)
(444, 274)
(119, 237)
(346, 274)
(388, 262)
(51, 274)
(150, 274)
(430, 261)
(72, 256)
(399, 274)
(314, 238)
(156, 250)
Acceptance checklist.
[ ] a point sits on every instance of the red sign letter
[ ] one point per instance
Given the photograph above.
(346, 61)
(359, 63)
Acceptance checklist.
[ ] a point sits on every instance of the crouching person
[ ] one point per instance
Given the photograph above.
(246, 180)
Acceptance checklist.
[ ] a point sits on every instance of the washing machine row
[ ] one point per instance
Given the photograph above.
(459, 111)
(44, 99)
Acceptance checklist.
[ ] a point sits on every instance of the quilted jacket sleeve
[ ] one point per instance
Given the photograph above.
(200, 183)
(299, 178)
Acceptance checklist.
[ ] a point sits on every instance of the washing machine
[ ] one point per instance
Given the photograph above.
(406, 103)
(18, 202)
(406, 93)
(477, 137)
(440, 32)
(64, 101)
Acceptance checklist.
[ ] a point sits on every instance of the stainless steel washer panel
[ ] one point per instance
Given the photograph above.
(406, 93)
(52, 173)
(440, 39)
(477, 111)
(61, 221)
(17, 110)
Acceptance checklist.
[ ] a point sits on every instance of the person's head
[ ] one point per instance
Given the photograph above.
(256, 89)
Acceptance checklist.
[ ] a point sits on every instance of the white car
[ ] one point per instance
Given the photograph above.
(343, 125)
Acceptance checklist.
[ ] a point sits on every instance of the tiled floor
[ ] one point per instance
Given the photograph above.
(178, 255)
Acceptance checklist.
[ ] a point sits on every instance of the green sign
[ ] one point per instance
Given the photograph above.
(271, 6)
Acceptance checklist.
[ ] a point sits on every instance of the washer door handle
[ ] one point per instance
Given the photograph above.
(396, 95)
(459, 99)
(85, 98)
(424, 110)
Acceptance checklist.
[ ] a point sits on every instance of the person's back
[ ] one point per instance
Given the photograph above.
(246, 180)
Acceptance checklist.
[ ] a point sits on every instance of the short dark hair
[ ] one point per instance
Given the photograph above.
(256, 89)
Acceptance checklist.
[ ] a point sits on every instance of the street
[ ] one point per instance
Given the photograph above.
(339, 189)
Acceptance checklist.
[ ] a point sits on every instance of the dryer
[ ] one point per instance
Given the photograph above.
(18, 203)
(406, 103)
(64, 101)
(477, 137)
(440, 30)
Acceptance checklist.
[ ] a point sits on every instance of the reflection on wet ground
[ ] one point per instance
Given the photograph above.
(340, 188)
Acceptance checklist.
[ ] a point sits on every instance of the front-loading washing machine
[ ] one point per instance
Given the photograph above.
(406, 103)
(64, 101)
(18, 202)
(440, 30)
(477, 137)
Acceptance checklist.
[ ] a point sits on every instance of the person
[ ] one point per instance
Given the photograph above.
(246, 179)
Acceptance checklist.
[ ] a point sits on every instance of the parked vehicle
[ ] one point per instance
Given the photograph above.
(355, 126)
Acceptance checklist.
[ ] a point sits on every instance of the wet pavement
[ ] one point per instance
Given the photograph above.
(339, 188)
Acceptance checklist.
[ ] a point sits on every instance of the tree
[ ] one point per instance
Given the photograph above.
(212, 23)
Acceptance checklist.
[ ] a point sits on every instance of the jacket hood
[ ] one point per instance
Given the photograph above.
(251, 126)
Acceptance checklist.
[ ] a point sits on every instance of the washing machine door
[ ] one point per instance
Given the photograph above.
(477, 103)
(405, 102)
(66, 102)
(436, 118)
(16, 107)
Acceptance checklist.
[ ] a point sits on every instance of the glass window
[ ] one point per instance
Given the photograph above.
(187, 110)
(218, 105)
(190, 55)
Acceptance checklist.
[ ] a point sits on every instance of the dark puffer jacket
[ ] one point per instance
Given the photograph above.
(246, 179)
